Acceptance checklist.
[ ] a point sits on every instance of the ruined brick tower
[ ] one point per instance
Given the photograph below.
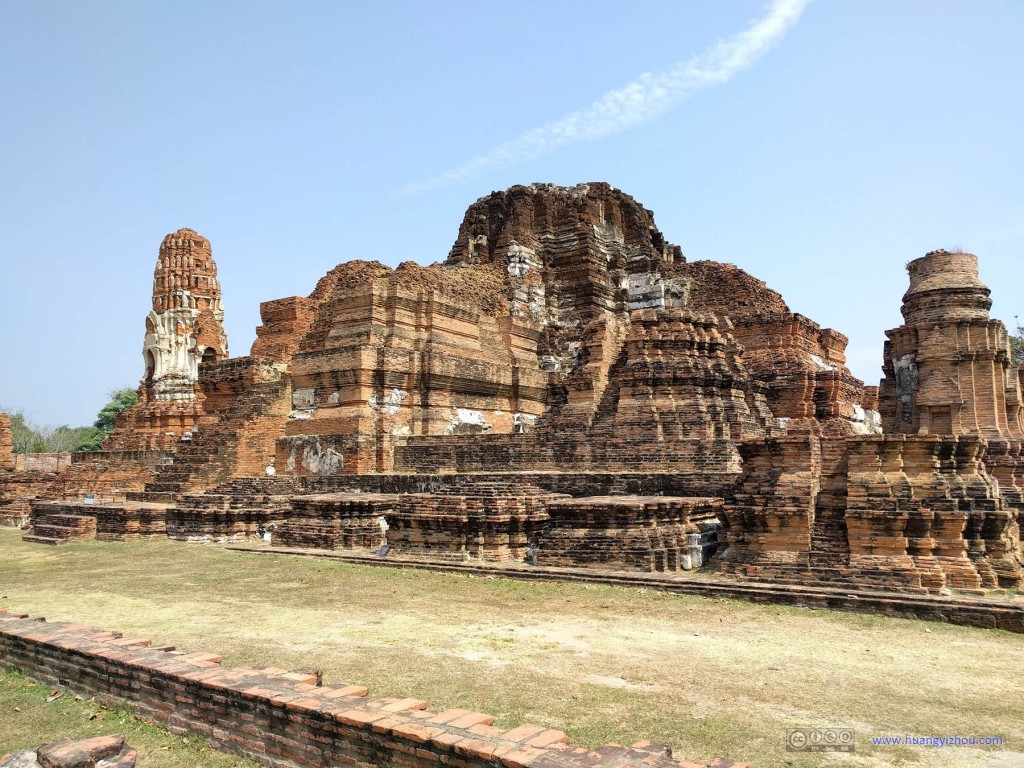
(183, 329)
(948, 369)
(952, 412)
(185, 326)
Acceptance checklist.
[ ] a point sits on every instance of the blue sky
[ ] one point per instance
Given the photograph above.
(299, 135)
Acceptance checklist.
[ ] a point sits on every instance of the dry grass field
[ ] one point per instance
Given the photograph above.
(708, 677)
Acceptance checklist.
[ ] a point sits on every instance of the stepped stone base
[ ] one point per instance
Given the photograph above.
(493, 522)
(239, 509)
(336, 521)
(498, 521)
(646, 533)
(54, 522)
(63, 527)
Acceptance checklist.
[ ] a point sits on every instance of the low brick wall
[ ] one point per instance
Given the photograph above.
(41, 462)
(283, 719)
(17, 489)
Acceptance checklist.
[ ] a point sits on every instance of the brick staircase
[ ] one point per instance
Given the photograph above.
(58, 522)
(830, 548)
(60, 528)
(210, 457)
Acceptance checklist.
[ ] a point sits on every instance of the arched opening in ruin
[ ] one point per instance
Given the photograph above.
(209, 355)
(150, 366)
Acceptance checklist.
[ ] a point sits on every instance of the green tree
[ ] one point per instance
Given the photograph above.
(93, 440)
(120, 401)
(29, 437)
(65, 439)
(25, 435)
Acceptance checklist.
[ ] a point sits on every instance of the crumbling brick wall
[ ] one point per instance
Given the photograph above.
(17, 490)
(285, 322)
(399, 353)
(282, 718)
(6, 443)
(41, 462)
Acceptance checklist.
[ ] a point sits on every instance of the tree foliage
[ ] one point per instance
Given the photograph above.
(120, 400)
(1017, 343)
(29, 437)
(25, 435)
(65, 439)
(76, 439)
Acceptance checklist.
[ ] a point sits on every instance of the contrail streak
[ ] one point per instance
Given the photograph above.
(647, 97)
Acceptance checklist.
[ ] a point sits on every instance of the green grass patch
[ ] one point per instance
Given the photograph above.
(33, 714)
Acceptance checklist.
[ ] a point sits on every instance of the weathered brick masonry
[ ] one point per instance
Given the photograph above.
(17, 490)
(6, 444)
(565, 346)
(41, 462)
(103, 751)
(282, 719)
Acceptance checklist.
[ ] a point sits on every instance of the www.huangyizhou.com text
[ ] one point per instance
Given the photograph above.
(936, 741)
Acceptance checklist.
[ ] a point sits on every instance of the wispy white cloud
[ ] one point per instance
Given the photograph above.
(647, 97)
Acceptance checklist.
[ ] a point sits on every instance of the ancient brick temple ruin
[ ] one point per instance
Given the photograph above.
(183, 330)
(567, 387)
